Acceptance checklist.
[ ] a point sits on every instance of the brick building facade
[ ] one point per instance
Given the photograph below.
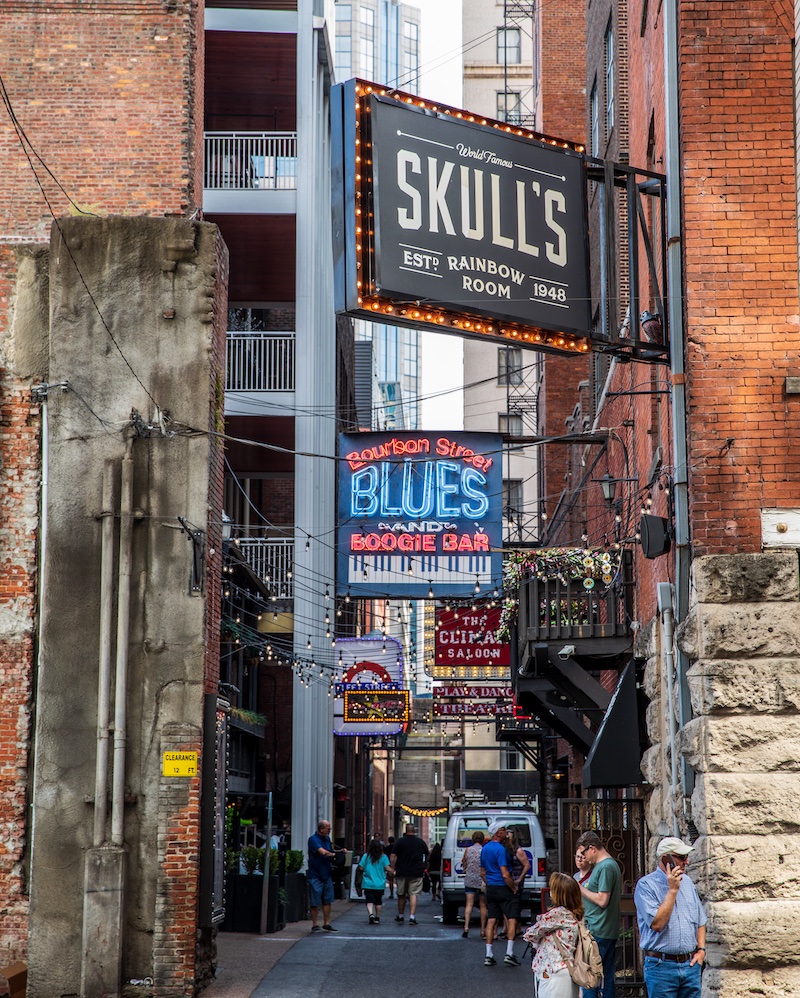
(103, 116)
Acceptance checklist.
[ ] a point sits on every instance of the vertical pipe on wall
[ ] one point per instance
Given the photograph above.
(104, 665)
(677, 354)
(123, 628)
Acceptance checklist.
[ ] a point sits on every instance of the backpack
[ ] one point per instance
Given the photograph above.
(585, 966)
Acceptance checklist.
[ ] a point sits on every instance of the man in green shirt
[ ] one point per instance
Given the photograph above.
(601, 894)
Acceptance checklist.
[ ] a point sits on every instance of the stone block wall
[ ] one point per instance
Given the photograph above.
(742, 637)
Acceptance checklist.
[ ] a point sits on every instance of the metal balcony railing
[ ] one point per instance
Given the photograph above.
(272, 559)
(265, 161)
(260, 362)
(558, 609)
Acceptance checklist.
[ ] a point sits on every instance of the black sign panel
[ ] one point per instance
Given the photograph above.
(476, 218)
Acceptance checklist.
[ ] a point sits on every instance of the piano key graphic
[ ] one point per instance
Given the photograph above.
(451, 569)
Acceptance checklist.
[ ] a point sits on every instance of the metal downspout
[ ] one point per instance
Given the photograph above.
(123, 628)
(104, 668)
(678, 360)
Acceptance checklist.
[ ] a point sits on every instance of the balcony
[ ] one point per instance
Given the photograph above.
(250, 173)
(571, 627)
(272, 560)
(260, 372)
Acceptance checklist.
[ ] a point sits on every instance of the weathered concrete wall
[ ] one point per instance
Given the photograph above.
(742, 637)
(23, 361)
(137, 312)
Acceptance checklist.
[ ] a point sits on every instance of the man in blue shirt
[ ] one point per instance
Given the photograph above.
(672, 924)
(320, 882)
(500, 891)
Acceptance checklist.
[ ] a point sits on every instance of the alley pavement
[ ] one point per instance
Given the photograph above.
(362, 960)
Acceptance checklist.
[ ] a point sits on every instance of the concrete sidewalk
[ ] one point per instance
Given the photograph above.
(244, 958)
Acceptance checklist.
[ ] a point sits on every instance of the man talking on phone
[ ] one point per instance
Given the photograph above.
(672, 924)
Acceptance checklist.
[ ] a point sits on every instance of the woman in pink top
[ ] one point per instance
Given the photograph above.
(551, 976)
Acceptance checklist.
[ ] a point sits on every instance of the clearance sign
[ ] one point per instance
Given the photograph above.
(419, 514)
(453, 221)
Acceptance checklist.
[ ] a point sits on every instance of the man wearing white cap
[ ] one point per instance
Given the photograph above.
(672, 924)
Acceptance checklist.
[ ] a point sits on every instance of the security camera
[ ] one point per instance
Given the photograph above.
(566, 652)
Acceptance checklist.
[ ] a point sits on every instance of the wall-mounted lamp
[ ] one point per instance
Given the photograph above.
(652, 327)
(609, 486)
(227, 526)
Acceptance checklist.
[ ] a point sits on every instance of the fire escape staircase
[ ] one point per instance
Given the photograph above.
(565, 637)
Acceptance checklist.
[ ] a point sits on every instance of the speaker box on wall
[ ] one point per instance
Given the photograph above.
(654, 531)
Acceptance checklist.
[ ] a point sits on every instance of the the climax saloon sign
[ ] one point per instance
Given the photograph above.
(454, 221)
(420, 514)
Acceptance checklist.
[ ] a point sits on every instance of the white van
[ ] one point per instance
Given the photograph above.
(471, 811)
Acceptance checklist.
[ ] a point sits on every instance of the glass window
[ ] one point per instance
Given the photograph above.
(411, 55)
(609, 45)
(512, 496)
(512, 760)
(509, 366)
(509, 107)
(367, 43)
(594, 111)
(509, 50)
(510, 423)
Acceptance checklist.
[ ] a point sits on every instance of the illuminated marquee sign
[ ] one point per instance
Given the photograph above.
(371, 668)
(368, 706)
(420, 514)
(469, 638)
(473, 700)
(454, 221)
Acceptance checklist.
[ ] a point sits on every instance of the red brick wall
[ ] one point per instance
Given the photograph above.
(562, 106)
(105, 92)
(109, 94)
(19, 482)
(740, 247)
(563, 69)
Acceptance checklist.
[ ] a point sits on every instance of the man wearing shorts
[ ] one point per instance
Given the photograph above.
(320, 880)
(500, 893)
(408, 858)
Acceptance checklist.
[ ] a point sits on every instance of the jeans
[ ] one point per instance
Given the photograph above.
(608, 954)
(667, 979)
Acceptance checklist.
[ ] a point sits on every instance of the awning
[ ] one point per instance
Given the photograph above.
(613, 760)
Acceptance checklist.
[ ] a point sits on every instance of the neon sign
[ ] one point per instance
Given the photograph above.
(419, 513)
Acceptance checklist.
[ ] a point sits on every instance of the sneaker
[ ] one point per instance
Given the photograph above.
(377, 920)
(412, 920)
(315, 928)
(372, 919)
(464, 934)
(489, 961)
(399, 918)
(511, 961)
(329, 928)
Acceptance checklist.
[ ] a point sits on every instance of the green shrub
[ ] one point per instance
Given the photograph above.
(294, 860)
(253, 858)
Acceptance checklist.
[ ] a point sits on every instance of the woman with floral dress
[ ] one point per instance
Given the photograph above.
(473, 885)
(551, 976)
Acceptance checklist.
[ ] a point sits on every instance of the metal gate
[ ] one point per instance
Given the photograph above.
(621, 827)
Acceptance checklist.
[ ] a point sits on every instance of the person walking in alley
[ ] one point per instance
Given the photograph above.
(409, 855)
(500, 891)
(561, 922)
(601, 895)
(435, 871)
(672, 924)
(374, 863)
(320, 880)
(473, 885)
